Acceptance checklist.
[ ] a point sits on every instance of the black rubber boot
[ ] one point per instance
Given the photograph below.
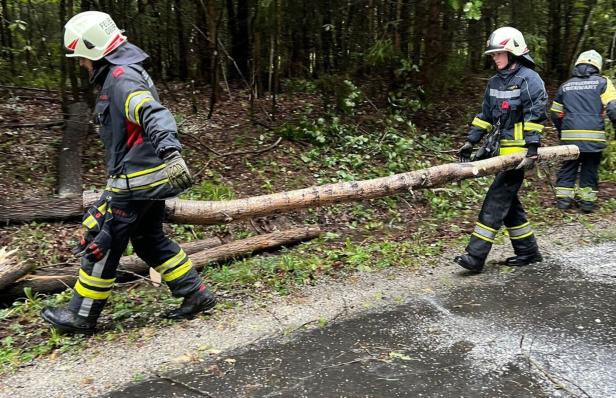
(564, 204)
(520, 261)
(587, 207)
(470, 262)
(193, 304)
(67, 321)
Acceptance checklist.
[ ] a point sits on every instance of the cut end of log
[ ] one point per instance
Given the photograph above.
(6, 256)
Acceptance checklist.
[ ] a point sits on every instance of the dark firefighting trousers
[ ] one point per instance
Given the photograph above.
(588, 165)
(141, 222)
(502, 206)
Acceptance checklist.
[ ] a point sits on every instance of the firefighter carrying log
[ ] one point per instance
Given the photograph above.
(578, 113)
(511, 120)
(144, 166)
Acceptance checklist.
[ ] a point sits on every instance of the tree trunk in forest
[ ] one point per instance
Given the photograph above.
(220, 212)
(8, 36)
(69, 161)
(182, 47)
(54, 283)
(555, 46)
(582, 33)
(326, 36)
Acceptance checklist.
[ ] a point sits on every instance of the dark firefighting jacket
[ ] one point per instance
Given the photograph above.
(577, 110)
(135, 128)
(515, 103)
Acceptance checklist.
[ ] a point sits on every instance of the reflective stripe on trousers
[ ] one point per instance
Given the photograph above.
(520, 231)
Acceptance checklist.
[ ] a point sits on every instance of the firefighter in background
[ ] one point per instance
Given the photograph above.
(144, 166)
(578, 112)
(513, 111)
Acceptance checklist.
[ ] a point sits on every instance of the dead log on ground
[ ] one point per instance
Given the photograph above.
(50, 283)
(220, 212)
(10, 268)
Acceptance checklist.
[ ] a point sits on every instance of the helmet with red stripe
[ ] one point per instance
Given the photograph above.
(91, 35)
(507, 39)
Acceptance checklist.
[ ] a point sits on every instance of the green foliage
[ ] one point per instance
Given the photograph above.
(381, 54)
(210, 189)
(310, 261)
(338, 93)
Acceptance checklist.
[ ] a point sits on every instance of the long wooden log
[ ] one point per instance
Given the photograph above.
(56, 283)
(220, 212)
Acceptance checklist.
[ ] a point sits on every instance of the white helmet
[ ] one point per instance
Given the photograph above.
(590, 57)
(507, 39)
(91, 35)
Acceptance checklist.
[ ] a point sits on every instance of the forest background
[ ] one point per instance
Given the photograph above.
(275, 95)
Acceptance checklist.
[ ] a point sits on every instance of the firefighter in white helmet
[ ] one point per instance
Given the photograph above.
(511, 120)
(578, 114)
(144, 166)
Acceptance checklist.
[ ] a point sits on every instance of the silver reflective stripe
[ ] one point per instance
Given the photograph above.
(132, 183)
(564, 192)
(504, 94)
(97, 271)
(556, 107)
(583, 135)
(86, 307)
(588, 196)
(486, 233)
(520, 232)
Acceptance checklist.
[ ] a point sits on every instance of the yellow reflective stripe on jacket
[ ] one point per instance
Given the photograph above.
(90, 222)
(482, 124)
(557, 107)
(564, 192)
(530, 126)
(518, 131)
(134, 102)
(178, 272)
(505, 142)
(510, 150)
(143, 172)
(583, 135)
(89, 293)
(139, 180)
(610, 92)
(172, 262)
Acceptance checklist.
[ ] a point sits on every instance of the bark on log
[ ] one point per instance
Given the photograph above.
(56, 283)
(220, 212)
(69, 160)
(10, 268)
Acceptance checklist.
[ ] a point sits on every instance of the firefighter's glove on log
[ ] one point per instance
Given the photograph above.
(96, 241)
(177, 171)
(465, 152)
(531, 157)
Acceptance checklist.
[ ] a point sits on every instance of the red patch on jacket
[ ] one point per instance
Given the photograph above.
(134, 136)
(117, 72)
(505, 105)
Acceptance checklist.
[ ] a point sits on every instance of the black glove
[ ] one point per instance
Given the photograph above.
(531, 156)
(465, 152)
(177, 171)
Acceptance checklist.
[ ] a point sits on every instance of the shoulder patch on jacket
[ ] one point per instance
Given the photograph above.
(117, 72)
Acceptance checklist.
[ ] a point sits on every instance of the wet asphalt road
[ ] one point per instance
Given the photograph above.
(542, 331)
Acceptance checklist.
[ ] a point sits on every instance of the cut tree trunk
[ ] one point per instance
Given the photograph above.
(66, 278)
(220, 212)
(10, 268)
(69, 160)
